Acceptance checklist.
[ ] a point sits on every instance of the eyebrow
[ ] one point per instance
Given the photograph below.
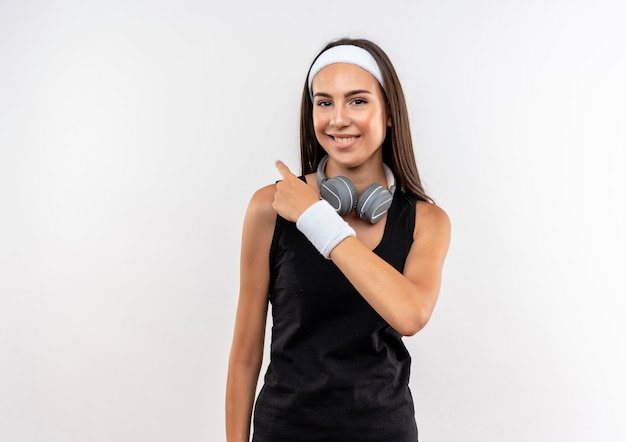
(347, 94)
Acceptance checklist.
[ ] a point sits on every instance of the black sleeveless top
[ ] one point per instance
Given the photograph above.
(338, 372)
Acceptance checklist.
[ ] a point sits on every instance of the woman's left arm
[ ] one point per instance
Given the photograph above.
(405, 300)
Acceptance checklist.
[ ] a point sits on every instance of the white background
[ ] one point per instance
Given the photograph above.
(133, 133)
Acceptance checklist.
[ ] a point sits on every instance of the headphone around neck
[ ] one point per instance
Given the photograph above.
(340, 192)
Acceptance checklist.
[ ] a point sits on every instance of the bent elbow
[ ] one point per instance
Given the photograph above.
(413, 324)
(410, 329)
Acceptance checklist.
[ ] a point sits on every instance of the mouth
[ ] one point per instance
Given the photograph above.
(343, 139)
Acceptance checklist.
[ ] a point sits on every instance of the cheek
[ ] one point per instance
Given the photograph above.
(319, 121)
(378, 124)
(318, 127)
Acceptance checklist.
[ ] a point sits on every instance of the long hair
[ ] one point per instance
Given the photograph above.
(397, 146)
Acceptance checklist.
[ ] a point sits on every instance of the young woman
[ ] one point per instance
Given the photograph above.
(350, 255)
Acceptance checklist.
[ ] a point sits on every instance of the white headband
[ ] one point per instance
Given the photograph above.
(349, 54)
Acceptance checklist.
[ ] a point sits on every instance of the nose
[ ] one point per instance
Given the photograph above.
(339, 117)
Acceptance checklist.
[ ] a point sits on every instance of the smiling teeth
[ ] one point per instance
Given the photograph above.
(344, 140)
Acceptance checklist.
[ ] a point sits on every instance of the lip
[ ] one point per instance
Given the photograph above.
(343, 141)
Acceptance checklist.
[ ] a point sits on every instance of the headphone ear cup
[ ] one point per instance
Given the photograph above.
(373, 203)
(340, 193)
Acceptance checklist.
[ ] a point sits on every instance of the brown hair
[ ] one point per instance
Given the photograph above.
(398, 145)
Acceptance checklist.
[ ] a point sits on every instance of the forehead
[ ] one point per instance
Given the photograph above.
(343, 77)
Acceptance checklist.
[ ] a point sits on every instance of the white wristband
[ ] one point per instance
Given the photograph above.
(321, 224)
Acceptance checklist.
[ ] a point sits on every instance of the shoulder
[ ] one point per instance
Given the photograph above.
(258, 226)
(431, 219)
(260, 205)
(260, 217)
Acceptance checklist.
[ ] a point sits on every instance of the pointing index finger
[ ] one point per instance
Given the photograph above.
(282, 169)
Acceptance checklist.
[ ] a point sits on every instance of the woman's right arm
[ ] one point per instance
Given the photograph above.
(246, 353)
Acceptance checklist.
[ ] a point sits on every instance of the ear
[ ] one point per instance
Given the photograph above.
(389, 121)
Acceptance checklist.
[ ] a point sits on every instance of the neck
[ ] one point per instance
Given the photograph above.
(361, 176)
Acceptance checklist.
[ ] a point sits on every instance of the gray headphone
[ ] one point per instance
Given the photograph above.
(341, 194)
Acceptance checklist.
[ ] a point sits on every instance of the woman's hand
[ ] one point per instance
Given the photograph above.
(293, 196)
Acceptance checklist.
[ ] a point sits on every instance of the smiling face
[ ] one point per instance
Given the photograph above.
(349, 115)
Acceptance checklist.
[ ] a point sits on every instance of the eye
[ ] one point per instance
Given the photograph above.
(358, 101)
(323, 103)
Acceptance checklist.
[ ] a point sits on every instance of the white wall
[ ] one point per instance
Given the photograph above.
(132, 134)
